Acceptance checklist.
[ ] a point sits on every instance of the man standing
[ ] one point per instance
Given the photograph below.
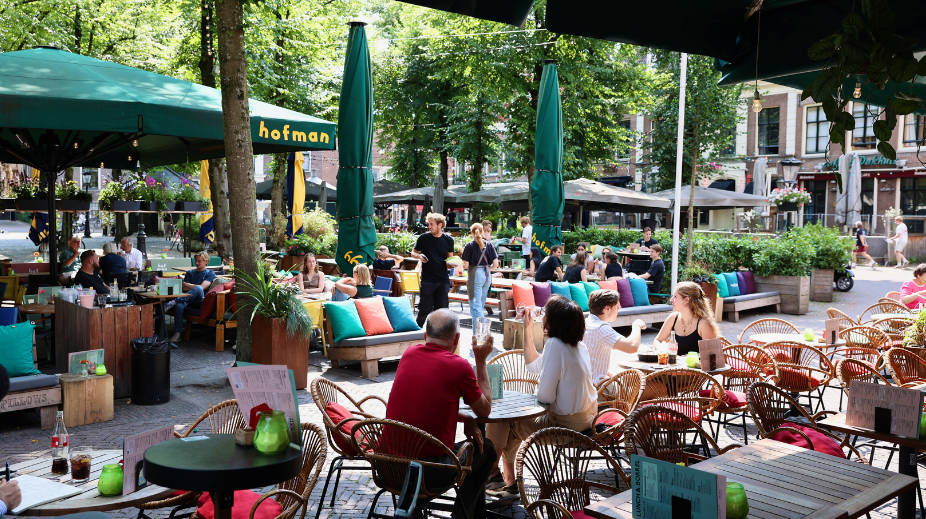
(527, 231)
(87, 276)
(133, 257)
(448, 378)
(195, 282)
(657, 269)
(432, 249)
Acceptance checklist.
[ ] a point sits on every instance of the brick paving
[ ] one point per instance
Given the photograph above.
(198, 382)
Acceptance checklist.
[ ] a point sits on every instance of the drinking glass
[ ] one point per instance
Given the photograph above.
(536, 312)
(80, 464)
(737, 504)
(481, 330)
(519, 311)
(101, 300)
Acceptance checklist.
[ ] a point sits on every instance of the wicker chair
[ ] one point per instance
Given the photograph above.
(866, 337)
(802, 369)
(853, 369)
(844, 320)
(906, 367)
(895, 330)
(617, 397)
(690, 391)
(659, 432)
(324, 392)
(389, 446)
(893, 295)
(769, 325)
(747, 364)
(559, 460)
(515, 375)
(885, 306)
(868, 356)
(724, 341)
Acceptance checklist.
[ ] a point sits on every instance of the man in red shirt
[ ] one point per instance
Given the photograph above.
(426, 394)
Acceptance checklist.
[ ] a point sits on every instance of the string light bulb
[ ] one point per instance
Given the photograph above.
(756, 101)
(857, 93)
(101, 165)
(135, 143)
(75, 145)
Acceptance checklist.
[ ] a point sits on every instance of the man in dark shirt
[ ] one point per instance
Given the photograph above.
(432, 249)
(87, 276)
(550, 268)
(657, 270)
(647, 241)
(384, 260)
(112, 263)
(195, 282)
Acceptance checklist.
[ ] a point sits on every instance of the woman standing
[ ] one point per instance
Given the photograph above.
(861, 245)
(356, 287)
(310, 278)
(913, 292)
(575, 271)
(900, 242)
(692, 320)
(478, 257)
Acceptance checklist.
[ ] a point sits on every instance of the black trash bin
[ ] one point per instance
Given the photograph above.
(150, 371)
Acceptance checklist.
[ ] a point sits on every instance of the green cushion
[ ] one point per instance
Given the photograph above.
(578, 294)
(561, 289)
(640, 292)
(401, 316)
(16, 349)
(722, 289)
(732, 283)
(345, 321)
(590, 286)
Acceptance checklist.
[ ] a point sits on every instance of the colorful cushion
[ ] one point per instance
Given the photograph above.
(739, 364)
(741, 282)
(373, 315)
(821, 442)
(750, 282)
(626, 293)
(797, 378)
(542, 292)
(523, 294)
(231, 300)
(560, 288)
(639, 291)
(16, 349)
(722, 289)
(401, 316)
(344, 319)
(688, 410)
(733, 286)
(608, 285)
(580, 514)
(853, 369)
(610, 419)
(208, 305)
(577, 293)
(241, 509)
(337, 412)
(731, 400)
(590, 287)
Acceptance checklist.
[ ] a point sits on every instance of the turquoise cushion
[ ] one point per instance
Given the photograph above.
(733, 286)
(722, 289)
(590, 286)
(400, 314)
(16, 349)
(345, 321)
(579, 295)
(640, 292)
(561, 289)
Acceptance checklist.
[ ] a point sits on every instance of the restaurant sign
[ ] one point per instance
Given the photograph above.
(865, 160)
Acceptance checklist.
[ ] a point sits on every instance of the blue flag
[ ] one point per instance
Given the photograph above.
(38, 233)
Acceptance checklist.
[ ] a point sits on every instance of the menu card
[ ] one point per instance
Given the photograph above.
(660, 487)
(831, 333)
(884, 408)
(255, 384)
(709, 347)
(496, 374)
(168, 287)
(94, 356)
(133, 456)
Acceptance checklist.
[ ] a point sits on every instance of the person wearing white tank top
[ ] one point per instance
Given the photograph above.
(900, 242)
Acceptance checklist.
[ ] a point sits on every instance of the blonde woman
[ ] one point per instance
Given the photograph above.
(356, 287)
(692, 320)
(479, 257)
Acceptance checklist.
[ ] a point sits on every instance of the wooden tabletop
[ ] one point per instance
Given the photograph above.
(782, 480)
(837, 422)
(152, 294)
(36, 309)
(513, 407)
(878, 317)
(766, 338)
(630, 362)
(496, 282)
(90, 500)
(632, 254)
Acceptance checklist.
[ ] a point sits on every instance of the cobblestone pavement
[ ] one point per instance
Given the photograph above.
(198, 382)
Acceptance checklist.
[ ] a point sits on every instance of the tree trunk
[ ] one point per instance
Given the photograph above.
(277, 208)
(121, 227)
(444, 168)
(219, 187)
(238, 150)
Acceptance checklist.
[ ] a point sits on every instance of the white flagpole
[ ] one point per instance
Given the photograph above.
(678, 170)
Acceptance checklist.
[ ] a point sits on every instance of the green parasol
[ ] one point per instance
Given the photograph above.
(356, 232)
(547, 194)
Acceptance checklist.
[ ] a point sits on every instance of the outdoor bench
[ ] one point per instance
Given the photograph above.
(369, 349)
(733, 305)
(649, 314)
(42, 392)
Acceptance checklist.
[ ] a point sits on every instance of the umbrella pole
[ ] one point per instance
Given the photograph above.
(52, 229)
(678, 170)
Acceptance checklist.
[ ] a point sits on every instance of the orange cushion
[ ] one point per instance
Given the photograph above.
(523, 294)
(608, 285)
(373, 316)
(243, 501)
(854, 369)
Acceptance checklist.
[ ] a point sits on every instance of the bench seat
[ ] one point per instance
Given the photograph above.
(733, 305)
(373, 340)
(369, 349)
(223, 308)
(490, 301)
(650, 314)
(32, 382)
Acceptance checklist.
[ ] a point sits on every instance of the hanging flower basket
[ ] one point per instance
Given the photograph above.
(32, 205)
(73, 205)
(788, 206)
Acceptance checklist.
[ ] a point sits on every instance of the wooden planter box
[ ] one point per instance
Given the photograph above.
(73, 206)
(795, 291)
(32, 205)
(123, 206)
(710, 293)
(821, 285)
(272, 345)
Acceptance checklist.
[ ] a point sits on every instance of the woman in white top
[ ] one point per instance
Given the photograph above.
(565, 385)
(900, 241)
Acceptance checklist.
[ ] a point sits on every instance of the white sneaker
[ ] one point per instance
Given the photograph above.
(170, 304)
(905, 263)
(175, 338)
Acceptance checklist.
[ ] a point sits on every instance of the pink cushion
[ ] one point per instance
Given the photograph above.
(688, 410)
(739, 364)
(623, 289)
(579, 514)
(731, 399)
(608, 285)
(750, 281)
(542, 292)
(821, 442)
(244, 500)
(337, 412)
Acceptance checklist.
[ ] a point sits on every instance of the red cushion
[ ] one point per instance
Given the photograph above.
(853, 369)
(208, 304)
(688, 410)
(821, 442)
(244, 500)
(610, 419)
(580, 515)
(790, 377)
(523, 294)
(732, 399)
(373, 316)
(231, 300)
(337, 412)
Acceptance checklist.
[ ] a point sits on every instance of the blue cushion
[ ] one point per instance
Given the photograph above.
(401, 317)
(560, 289)
(722, 289)
(741, 281)
(579, 295)
(733, 286)
(640, 292)
(16, 349)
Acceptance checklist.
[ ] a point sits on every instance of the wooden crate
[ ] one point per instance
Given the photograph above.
(86, 399)
(111, 329)
(821, 285)
(512, 330)
(795, 291)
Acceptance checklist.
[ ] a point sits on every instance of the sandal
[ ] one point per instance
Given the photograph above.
(504, 492)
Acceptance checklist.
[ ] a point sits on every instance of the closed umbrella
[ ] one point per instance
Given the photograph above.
(854, 192)
(295, 193)
(356, 232)
(842, 198)
(438, 202)
(547, 196)
(323, 196)
(759, 179)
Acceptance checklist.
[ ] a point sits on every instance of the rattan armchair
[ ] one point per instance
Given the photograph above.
(868, 356)
(747, 364)
(906, 367)
(557, 462)
(844, 320)
(895, 295)
(884, 306)
(515, 375)
(659, 432)
(866, 337)
(689, 391)
(769, 325)
(622, 391)
(895, 329)
(802, 369)
(389, 446)
(324, 392)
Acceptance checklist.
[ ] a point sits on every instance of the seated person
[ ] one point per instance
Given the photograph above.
(657, 269)
(195, 282)
(88, 276)
(449, 379)
(647, 242)
(692, 319)
(913, 292)
(533, 262)
(356, 287)
(384, 260)
(69, 259)
(576, 271)
(550, 268)
(310, 279)
(133, 257)
(611, 267)
(111, 262)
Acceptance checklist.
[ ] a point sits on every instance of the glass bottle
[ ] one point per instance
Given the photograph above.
(59, 447)
(271, 435)
(673, 348)
(737, 504)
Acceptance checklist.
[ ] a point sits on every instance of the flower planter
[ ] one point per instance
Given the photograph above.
(710, 293)
(272, 345)
(148, 207)
(73, 205)
(189, 206)
(32, 205)
(794, 290)
(788, 206)
(7, 204)
(123, 206)
(171, 207)
(821, 285)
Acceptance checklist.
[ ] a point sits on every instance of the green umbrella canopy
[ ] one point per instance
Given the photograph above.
(870, 93)
(51, 99)
(356, 232)
(513, 12)
(547, 196)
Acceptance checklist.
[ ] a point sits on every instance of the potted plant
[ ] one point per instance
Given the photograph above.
(189, 199)
(30, 195)
(788, 198)
(783, 265)
(71, 198)
(700, 273)
(154, 198)
(115, 197)
(281, 325)
(831, 253)
(915, 336)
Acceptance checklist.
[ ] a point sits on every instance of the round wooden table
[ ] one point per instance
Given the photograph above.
(513, 407)
(878, 317)
(652, 367)
(767, 338)
(90, 499)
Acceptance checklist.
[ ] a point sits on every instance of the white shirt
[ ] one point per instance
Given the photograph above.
(134, 259)
(527, 232)
(600, 339)
(901, 233)
(565, 377)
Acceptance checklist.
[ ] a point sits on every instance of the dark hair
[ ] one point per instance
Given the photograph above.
(580, 259)
(87, 254)
(657, 248)
(535, 254)
(612, 258)
(919, 270)
(599, 299)
(564, 320)
(555, 248)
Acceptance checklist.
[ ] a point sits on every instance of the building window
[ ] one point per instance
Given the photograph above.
(818, 130)
(913, 133)
(768, 131)
(624, 140)
(815, 211)
(863, 136)
(868, 197)
(913, 202)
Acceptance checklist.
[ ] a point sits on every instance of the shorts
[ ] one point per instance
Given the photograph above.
(899, 246)
(861, 248)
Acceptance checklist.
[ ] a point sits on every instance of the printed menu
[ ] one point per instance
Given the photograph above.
(709, 347)
(133, 456)
(255, 384)
(94, 356)
(866, 400)
(831, 333)
(656, 483)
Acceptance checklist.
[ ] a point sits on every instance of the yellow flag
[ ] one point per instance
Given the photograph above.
(206, 224)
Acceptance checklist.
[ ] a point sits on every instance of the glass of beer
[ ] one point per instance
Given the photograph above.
(80, 464)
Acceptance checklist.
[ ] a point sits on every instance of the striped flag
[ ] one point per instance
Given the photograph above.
(206, 223)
